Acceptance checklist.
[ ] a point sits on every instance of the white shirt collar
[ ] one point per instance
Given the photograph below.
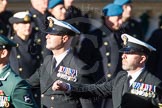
(60, 57)
(135, 75)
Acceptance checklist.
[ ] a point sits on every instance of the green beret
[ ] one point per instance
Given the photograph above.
(5, 42)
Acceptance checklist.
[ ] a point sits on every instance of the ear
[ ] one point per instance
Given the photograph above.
(4, 53)
(65, 38)
(143, 59)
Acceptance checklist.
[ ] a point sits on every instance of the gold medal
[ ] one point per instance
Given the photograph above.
(6, 104)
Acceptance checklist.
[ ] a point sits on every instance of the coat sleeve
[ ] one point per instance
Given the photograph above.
(34, 80)
(92, 90)
(22, 96)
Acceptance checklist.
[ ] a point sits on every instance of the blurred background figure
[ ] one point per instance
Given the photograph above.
(144, 19)
(149, 23)
(25, 58)
(39, 14)
(155, 59)
(72, 11)
(56, 9)
(130, 25)
(101, 46)
(5, 27)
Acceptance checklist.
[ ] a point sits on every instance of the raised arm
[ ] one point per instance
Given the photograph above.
(84, 90)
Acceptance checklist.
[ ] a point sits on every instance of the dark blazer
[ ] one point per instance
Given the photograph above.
(59, 99)
(5, 26)
(155, 58)
(39, 23)
(25, 58)
(133, 28)
(115, 87)
(102, 45)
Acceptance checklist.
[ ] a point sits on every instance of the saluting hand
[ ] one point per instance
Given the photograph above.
(59, 85)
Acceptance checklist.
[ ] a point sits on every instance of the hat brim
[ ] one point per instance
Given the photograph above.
(57, 30)
(132, 50)
(13, 20)
(51, 31)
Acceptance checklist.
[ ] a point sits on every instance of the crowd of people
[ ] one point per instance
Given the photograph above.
(55, 56)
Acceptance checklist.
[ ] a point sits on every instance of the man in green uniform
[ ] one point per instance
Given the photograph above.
(14, 91)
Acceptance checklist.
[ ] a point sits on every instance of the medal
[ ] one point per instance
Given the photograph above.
(6, 104)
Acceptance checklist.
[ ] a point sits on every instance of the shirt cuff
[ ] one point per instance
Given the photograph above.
(68, 87)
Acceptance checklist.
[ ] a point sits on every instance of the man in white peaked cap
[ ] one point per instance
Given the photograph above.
(139, 91)
(61, 65)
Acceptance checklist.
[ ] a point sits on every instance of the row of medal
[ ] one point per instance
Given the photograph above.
(143, 89)
(4, 100)
(67, 73)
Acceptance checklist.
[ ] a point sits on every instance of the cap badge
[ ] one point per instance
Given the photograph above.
(51, 23)
(26, 18)
(125, 40)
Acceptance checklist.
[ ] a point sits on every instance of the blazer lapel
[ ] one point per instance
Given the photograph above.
(53, 77)
(141, 77)
(119, 89)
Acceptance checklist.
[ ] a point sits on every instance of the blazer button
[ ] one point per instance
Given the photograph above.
(52, 98)
(42, 95)
(35, 95)
(109, 75)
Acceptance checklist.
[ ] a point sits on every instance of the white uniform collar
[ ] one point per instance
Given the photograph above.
(60, 57)
(135, 75)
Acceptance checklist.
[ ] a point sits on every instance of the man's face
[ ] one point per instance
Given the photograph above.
(40, 5)
(132, 61)
(127, 9)
(113, 22)
(58, 12)
(68, 3)
(54, 42)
